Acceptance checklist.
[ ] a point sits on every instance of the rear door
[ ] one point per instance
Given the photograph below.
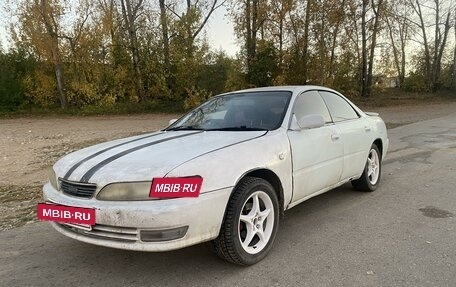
(354, 131)
(317, 153)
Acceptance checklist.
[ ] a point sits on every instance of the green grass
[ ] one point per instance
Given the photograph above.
(379, 98)
(396, 97)
(125, 108)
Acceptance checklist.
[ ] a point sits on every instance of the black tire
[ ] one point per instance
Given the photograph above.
(228, 244)
(364, 183)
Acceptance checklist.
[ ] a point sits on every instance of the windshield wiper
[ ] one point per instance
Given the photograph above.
(238, 128)
(185, 128)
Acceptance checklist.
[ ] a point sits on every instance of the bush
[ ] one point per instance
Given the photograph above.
(415, 83)
(11, 90)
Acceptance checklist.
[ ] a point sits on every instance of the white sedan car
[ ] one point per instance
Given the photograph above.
(255, 154)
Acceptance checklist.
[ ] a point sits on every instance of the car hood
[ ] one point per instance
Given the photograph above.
(144, 157)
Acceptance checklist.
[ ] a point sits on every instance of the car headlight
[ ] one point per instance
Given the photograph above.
(126, 191)
(53, 179)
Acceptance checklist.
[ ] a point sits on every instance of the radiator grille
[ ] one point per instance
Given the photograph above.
(78, 189)
(123, 234)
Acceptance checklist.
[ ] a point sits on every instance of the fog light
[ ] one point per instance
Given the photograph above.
(163, 235)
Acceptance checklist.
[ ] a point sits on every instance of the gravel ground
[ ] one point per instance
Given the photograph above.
(29, 147)
(399, 115)
(403, 234)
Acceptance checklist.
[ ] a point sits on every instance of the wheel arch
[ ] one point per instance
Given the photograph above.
(270, 177)
(379, 143)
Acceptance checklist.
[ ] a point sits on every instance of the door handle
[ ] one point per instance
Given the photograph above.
(335, 137)
(367, 129)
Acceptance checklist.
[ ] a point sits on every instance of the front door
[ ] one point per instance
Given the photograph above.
(317, 153)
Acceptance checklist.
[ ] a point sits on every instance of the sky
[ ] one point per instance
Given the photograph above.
(3, 27)
(221, 34)
(219, 31)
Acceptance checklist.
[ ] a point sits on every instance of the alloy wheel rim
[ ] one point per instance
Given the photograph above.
(373, 166)
(256, 222)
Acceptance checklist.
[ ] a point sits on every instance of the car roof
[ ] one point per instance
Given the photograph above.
(293, 89)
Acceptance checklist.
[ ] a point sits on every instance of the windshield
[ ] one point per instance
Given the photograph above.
(240, 111)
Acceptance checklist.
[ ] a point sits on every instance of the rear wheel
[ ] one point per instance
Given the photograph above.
(250, 225)
(372, 171)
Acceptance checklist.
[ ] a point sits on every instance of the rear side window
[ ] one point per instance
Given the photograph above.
(339, 108)
(309, 103)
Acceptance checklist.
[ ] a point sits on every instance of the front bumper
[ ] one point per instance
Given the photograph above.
(119, 224)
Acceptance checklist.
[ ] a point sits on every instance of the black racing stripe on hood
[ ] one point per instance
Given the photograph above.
(74, 167)
(214, 150)
(86, 177)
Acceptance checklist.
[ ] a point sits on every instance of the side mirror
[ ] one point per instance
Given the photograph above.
(172, 121)
(312, 121)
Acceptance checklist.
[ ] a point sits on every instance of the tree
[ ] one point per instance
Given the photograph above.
(433, 52)
(375, 30)
(15, 64)
(305, 44)
(368, 52)
(41, 29)
(265, 68)
(328, 18)
(296, 60)
(338, 18)
(278, 23)
(193, 19)
(81, 53)
(164, 22)
(398, 24)
(130, 12)
(249, 17)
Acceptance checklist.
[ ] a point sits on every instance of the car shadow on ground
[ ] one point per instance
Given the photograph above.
(199, 261)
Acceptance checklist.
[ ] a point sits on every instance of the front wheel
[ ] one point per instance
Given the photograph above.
(372, 171)
(251, 222)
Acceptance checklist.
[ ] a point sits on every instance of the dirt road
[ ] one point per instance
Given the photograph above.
(30, 146)
(403, 234)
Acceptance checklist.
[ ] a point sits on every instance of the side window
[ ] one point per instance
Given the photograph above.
(339, 108)
(309, 103)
